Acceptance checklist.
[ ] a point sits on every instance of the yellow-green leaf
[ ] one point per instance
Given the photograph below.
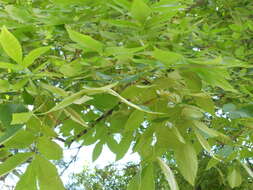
(204, 143)
(49, 149)
(246, 167)
(56, 90)
(75, 116)
(134, 121)
(168, 175)
(167, 57)
(85, 41)
(12, 162)
(10, 66)
(11, 45)
(20, 118)
(47, 175)
(22, 139)
(234, 178)
(187, 161)
(33, 55)
(67, 101)
(140, 10)
(28, 179)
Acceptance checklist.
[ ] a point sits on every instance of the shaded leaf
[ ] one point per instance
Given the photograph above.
(97, 151)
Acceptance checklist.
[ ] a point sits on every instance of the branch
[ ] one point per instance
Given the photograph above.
(73, 160)
(102, 117)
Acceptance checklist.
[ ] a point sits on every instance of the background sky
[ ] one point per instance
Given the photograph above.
(84, 158)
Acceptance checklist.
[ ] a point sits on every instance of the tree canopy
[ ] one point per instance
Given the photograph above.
(170, 79)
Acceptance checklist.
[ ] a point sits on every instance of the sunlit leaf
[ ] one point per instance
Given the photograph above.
(12, 162)
(168, 174)
(11, 45)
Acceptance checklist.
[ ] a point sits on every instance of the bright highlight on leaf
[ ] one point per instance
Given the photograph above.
(85, 41)
(168, 174)
(140, 10)
(11, 45)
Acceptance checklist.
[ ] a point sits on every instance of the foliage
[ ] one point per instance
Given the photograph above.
(109, 177)
(170, 77)
(115, 177)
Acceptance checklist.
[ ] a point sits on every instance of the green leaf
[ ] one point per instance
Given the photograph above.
(192, 80)
(28, 179)
(47, 175)
(67, 2)
(209, 131)
(10, 66)
(216, 77)
(67, 101)
(7, 111)
(234, 178)
(123, 3)
(134, 184)
(97, 151)
(22, 139)
(140, 10)
(9, 133)
(249, 171)
(124, 146)
(187, 161)
(20, 118)
(4, 86)
(112, 143)
(211, 163)
(144, 179)
(54, 89)
(85, 41)
(192, 113)
(168, 175)
(33, 55)
(177, 133)
(11, 45)
(75, 116)
(138, 107)
(205, 102)
(134, 121)
(12, 162)
(167, 57)
(204, 143)
(148, 178)
(49, 149)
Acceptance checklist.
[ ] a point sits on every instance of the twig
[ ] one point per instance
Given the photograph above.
(104, 116)
(73, 160)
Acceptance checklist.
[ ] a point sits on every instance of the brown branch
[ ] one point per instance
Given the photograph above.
(72, 160)
(102, 117)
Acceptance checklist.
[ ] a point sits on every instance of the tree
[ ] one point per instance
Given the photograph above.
(116, 177)
(110, 177)
(170, 78)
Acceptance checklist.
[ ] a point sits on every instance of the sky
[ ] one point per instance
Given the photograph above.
(84, 158)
